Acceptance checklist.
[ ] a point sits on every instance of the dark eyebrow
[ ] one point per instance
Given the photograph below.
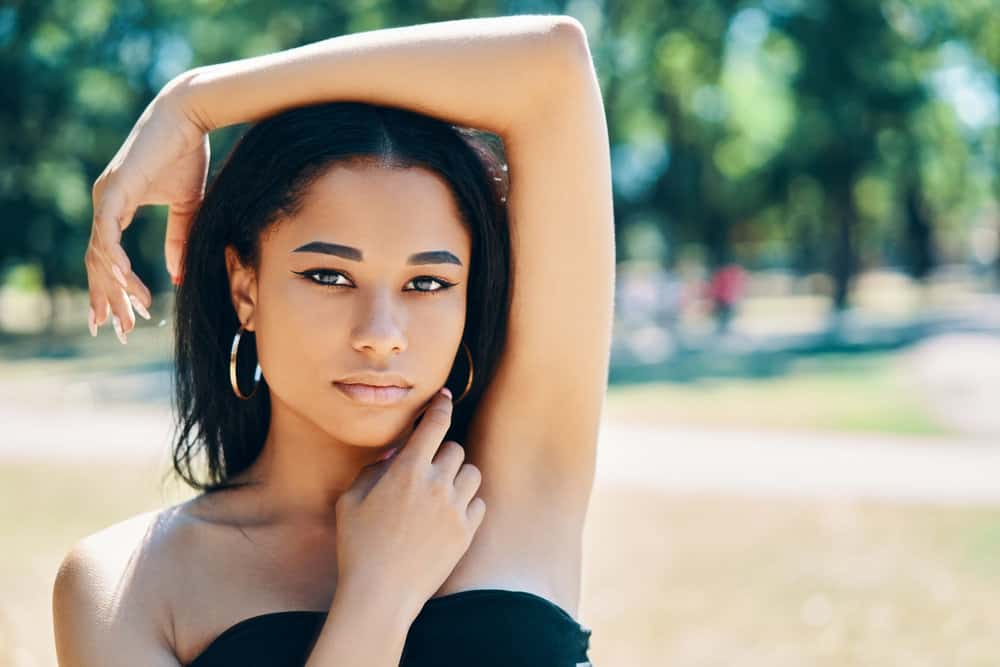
(347, 252)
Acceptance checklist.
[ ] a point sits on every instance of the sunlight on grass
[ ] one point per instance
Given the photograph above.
(687, 580)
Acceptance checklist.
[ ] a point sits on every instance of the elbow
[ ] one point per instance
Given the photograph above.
(570, 38)
(557, 66)
(571, 73)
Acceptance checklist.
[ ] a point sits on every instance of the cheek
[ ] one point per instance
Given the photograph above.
(436, 328)
(294, 337)
(434, 344)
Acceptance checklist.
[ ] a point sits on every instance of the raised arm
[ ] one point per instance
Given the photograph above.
(480, 72)
(484, 72)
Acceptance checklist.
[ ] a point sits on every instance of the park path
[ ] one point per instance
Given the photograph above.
(899, 469)
(675, 459)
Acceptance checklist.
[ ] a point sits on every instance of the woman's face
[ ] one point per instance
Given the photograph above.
(343, 290)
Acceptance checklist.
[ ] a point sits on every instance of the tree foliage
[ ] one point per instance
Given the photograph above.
(815, 135)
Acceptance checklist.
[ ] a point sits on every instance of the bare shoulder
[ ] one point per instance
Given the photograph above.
(536, 428)
(108, 600)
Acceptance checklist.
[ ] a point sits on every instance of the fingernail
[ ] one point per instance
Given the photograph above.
(118, 330)
(176, 280)
(119, 276)
(141, 309)
(92, 322)
(446, 391)
(388, 454)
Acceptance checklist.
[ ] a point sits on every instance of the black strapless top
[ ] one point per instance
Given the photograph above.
(488, 627)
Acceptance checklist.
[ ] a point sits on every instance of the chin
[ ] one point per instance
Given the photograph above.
(375, 429)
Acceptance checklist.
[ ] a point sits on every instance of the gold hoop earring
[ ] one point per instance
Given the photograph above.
(232, 368)
(468, 384)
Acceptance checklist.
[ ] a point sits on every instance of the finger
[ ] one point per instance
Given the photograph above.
(174, 252)
(122, 317)
(139, 295)
(367, 479)
(102, 314)
(449, 458)
(179, 218)
(111, 216)
(99, 308)
(108, 265)
(476, 512)
(467, 482)
(427, 436)
(139, 307)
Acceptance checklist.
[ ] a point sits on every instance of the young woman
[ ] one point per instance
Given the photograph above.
(357, 262)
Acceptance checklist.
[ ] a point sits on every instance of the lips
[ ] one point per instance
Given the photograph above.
(367, 394)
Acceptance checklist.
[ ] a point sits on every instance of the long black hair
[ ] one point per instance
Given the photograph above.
(261, 182)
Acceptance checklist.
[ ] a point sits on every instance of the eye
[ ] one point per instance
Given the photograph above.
(442, 284)
(329, 278)
(324, 273)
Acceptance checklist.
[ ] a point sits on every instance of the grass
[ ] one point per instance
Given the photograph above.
(680, 580)
(846, 393)
(726, 580)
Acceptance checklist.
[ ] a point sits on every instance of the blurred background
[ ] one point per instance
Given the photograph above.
(800, 451)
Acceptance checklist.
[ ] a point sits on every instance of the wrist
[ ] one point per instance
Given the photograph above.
(394, 611)
(181, 93)
(363, 628)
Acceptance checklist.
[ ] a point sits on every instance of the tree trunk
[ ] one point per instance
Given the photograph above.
(996, 172)
(844, 218)
(919, 245)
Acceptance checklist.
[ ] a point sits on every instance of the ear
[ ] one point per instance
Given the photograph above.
(242, 288)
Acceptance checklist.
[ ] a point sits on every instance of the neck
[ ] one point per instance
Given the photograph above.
(302, 470)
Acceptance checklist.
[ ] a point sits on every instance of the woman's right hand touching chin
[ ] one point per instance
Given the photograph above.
(163, 160)
(405, 522)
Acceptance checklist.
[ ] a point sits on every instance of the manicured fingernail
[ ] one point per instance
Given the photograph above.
(388, 454)
(176, 280)
(141, 309)
(446, 391)
(92, 322)
(119, 276)
(118, 330)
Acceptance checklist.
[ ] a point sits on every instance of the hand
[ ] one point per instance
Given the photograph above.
(405, 522)
(164, 160)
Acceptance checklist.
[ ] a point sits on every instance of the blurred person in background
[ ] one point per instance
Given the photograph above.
(725, 289)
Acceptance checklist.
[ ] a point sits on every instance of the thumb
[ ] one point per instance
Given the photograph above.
(179, 218)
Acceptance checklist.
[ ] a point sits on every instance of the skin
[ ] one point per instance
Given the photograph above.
(164, 584)
(310, 334)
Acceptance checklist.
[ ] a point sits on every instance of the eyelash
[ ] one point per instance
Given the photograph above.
(445, 285)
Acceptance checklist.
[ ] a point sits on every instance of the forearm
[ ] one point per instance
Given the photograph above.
(480, 72)
(362, 630)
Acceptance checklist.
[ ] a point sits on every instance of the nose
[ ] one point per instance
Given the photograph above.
(378, 331)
